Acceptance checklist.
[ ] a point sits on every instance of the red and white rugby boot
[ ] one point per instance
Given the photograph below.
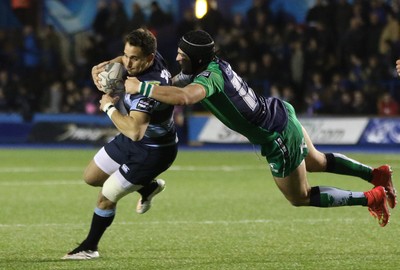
(382, 176)
(377, 205)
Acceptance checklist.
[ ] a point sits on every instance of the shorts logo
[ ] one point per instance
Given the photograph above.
(273, 165)
(125, 168)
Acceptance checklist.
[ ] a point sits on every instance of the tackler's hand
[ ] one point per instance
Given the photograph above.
(132, 85)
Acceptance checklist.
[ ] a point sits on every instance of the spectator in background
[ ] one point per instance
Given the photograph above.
(189, 22)
(390, 34)
(257, 27)
(297, 61)
(25, 11)
(373, 70)
(25, 100)
(90, 100)
(158, 18)
(314, 104)
(258, 7)
(387, 105)
(138, 19)
(8, 90)
(352, 42)
(54, 98)
(361, 106)
(345, 106)
(213, 19)
(100, 21)
(73, 102)
(374, 33)
(116, 27)
(3, 101)
(314, 56)
(50, 52)
(31, 65)
(342, 16)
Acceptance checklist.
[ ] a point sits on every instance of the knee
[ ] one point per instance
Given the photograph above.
(316, 162)
(92, 180)
(302, 199)
(105, 204)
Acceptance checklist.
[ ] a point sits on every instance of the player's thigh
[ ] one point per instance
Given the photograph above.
(295, 186)
(98, 169)
(93, 175)
(315, 160)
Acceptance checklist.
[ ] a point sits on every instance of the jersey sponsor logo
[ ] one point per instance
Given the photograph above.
(145, 104)
(205, 73)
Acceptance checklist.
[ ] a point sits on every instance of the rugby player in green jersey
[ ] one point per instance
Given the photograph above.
(270, 123)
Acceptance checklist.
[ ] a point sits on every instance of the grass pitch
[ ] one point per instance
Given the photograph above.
(220, 210)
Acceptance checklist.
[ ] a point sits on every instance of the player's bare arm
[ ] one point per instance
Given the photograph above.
(187, 95)
(133, 125)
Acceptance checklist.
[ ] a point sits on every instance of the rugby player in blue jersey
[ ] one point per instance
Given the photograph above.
(145, 147)
(270, 123)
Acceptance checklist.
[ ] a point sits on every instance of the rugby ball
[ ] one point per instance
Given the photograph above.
(111, 79)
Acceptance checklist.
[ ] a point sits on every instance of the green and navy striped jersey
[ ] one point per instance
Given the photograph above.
(236, 105)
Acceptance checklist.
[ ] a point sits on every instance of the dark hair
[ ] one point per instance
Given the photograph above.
(199, 46)
(144, 39)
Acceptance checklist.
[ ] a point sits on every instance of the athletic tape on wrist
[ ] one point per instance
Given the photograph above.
(107, 106)
(110, 111)
(146, 89)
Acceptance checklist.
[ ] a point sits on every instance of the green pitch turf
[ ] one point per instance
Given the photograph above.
(220, 210)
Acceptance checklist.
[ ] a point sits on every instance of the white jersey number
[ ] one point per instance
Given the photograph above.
(244, 91)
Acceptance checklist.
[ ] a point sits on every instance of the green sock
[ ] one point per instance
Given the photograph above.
(340, 164)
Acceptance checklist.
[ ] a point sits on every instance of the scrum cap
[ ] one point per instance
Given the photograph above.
(199, 46)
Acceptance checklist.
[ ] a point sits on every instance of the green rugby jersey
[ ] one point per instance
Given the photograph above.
(236, 105)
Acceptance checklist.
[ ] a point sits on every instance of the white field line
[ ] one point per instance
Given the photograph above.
(185, 222)
(173, 168)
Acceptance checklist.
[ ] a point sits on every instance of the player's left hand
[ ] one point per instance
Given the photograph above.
(106, 98)
(96, 70)
(132, 85)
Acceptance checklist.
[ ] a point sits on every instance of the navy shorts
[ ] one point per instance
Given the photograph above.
(140, 164)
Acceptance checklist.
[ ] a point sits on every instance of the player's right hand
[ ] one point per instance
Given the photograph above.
(96, 71)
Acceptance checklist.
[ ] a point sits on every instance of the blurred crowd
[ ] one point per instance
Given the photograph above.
(339, 61)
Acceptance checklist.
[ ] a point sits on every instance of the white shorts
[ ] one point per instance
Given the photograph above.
(105, 162)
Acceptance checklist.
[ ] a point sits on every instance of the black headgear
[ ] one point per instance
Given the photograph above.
(199, 46)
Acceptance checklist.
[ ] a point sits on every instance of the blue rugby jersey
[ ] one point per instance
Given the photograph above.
(161, 130)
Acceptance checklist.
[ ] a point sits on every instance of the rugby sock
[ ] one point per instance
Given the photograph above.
(148, 189)
(332, 197)
(340, 164)
(100, 222)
